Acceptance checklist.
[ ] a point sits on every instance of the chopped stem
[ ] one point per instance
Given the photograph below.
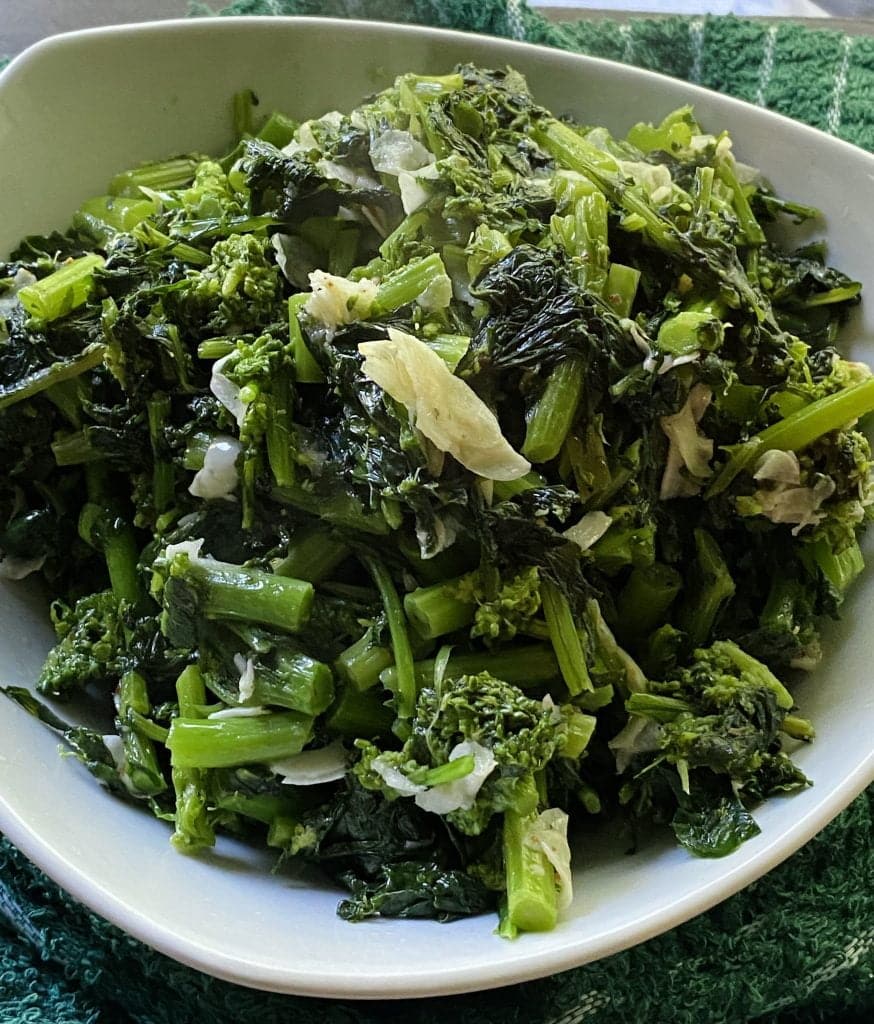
(39, 380)
(193, 828)
(62, 291)
(298, 682)
(228, 742)
(437, 610)
(565, 638)
(552, 415)
(341, 509)
(405, 285)
(120, 212)
(163, 473)
(114, 538)
(526, 666)
(359, 715)
(621, 288)
(362, 662)
(746, 219)
(405, 691)
(531, 896)
(278, 130)
(159, 176)
(140, 759)
(710, 586)
(313, 554)
(306, 369)
(280, 430)
(234, 592)
(644, 601)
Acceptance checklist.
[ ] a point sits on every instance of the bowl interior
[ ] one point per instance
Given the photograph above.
(74, 111)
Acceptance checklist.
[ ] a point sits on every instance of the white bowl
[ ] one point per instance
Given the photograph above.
(76, 109)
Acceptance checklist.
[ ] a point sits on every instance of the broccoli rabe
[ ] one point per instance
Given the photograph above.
(239, 289)
(720, 718)
(415, 481)
(90, 641)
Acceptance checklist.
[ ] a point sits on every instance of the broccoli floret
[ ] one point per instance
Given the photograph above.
(89, 642)
(503, 608)
(475, 728)
(210, 195)
(723, 713)
(239, 290)
(708, 744)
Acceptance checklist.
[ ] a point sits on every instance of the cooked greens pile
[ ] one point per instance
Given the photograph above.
(418, 479)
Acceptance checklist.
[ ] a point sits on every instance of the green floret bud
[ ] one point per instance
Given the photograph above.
(210, 195)
(89, 642)
(707, 744)
(504, 611)
(513, 735)
(240, 289)
(724, 713)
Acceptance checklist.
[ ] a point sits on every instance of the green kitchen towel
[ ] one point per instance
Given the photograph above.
(796, 946)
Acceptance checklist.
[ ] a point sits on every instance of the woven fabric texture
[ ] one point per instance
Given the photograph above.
(797, 946)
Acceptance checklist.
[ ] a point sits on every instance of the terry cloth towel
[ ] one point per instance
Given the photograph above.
(797, 946)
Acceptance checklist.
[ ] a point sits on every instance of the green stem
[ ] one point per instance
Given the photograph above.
(280, 430)
(298, 682)
(571, 150)
(591, 223)
(552, 415)
(233, 592)
(531, 897)
(340, 509)
(689, 331)
(362, 662)
(39, 380)
(746, 219)
(450, 347)
(702, 193)
(140, 760)
(163, 473)
(62, 291)
(437, 610)
(357, 715)
(799, 429)
(160, 176)
(114, 538)
(193, 828)
(798, 728)
(228, 742)
(580, 730)
(838, 568)
(278, 130)
(644, 601)
(505, 489)
(306, 369)
(620, 290)
(525, 666)
(565, 638)
(710, 586)
(405, 692)
(657, 707)
(152, 238)
(405, 285)
(121, 213)
(612, 663)
(313, 554)
(77, 448)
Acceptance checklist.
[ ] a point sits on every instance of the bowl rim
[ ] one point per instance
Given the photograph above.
(565, 954)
